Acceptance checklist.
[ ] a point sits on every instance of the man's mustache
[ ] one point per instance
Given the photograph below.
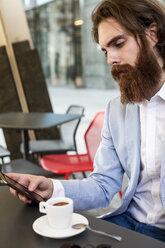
(121, 69)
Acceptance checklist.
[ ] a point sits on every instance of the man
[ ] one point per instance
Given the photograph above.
(132, 35)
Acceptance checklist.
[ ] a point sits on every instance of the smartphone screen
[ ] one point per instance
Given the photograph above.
(21, 188)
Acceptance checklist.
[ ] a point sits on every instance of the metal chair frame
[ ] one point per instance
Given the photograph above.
(4, 152)
(57, 146)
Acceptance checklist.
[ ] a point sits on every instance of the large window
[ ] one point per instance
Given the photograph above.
(61, 31)
(56, 32)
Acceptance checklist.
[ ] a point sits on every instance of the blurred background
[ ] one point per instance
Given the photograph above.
(61, 31)
(74, 67)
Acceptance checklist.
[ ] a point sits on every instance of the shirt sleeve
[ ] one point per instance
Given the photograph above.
(58, 189)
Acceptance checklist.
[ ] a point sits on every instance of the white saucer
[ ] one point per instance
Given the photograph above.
(42, 227)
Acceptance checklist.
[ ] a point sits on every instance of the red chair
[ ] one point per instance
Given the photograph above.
(67, 164)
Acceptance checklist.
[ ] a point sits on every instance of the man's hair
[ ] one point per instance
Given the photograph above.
(135, 16)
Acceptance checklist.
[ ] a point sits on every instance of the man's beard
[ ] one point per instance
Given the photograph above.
(138, 82)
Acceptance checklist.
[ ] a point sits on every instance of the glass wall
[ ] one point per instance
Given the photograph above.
(61, 31)
(56, 32)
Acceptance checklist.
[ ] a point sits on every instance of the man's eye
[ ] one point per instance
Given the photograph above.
(121, 44)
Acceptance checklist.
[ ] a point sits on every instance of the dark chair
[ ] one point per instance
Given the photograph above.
(24, 167)
(65, 143)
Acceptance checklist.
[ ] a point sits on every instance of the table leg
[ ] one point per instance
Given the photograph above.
(25, 141)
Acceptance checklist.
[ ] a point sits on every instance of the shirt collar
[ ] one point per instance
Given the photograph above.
(161, 92)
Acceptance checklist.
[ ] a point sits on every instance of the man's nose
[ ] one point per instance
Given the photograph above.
(112, 59)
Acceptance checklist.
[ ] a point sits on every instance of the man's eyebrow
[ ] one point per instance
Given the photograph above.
(109, 43)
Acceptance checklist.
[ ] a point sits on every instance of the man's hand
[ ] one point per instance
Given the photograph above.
(41, 185)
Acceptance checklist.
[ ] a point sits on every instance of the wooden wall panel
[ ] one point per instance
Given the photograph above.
(9, 102)
(34, 85)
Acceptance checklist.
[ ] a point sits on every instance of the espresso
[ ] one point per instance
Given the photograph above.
(60, 204)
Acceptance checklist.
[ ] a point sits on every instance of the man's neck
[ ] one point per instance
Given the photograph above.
(157, 88)
(160, 83)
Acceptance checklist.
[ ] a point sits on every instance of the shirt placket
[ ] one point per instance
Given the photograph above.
(150, 157)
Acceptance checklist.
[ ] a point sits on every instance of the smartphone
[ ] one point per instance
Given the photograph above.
(20, 188)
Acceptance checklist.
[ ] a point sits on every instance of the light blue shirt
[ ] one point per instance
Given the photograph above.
(118, 153)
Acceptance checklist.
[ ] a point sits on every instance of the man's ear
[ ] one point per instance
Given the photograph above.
(151, 34)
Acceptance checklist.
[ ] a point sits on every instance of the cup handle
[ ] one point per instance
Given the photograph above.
(42, 207)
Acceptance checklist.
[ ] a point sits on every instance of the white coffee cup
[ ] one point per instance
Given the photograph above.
(59, 217)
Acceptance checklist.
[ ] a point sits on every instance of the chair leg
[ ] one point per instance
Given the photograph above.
(33, 157)
(2, 160)
(84, 175)
(120, 193)
(36, 159)
(66, 176)
(73, 175)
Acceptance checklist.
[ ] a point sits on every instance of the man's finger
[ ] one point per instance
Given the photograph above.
(14, 192)
(35, 182)
(24, 198)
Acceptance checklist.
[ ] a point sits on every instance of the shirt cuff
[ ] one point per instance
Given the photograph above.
(58, 189)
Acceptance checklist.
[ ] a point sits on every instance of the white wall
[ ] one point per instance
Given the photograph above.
(15, 21)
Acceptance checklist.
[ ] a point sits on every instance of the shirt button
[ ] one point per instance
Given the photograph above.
(152, 174)
(150, 219)
(155, 195)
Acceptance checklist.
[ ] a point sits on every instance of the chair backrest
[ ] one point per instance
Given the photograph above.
(93, 134)
(68, 130)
